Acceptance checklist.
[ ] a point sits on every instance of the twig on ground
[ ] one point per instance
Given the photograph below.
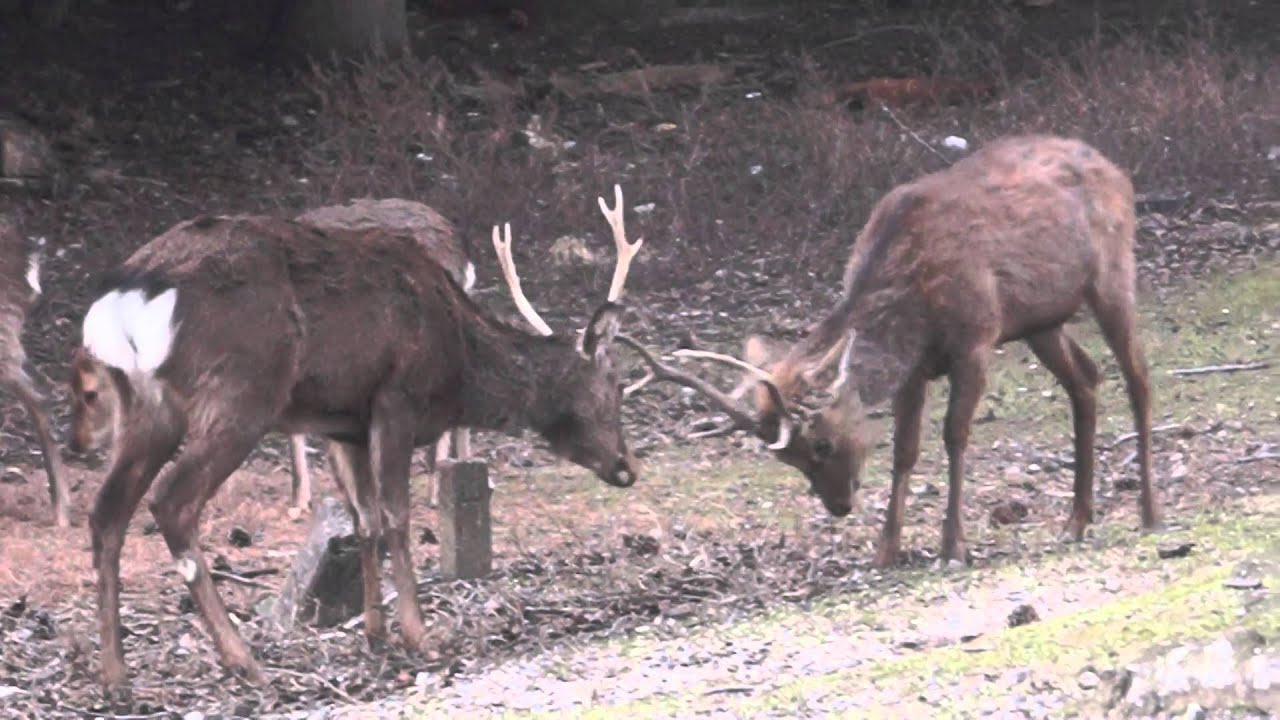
(111, 716)
(912, 133)
(1237, 367)
(316, 676)
(868, 32)
(1154, 431)
(239, 579)
(1257, 457)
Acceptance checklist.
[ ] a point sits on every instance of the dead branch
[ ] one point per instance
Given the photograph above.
(1155, 430)
(641, 81)
(1238, 367)
(913, 134)
(322, 680)
(238, 579)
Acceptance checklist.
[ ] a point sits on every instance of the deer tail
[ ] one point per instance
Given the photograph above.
(127, 330)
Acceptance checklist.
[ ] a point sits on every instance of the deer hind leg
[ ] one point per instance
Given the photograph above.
(351, 469)
(300, 495)
(1078, 376)
(210, 456)
(1118, 319)
(438, 459)
(142, 449)
(391, 441)
(908, 414)
(968, 379)
(16, 381)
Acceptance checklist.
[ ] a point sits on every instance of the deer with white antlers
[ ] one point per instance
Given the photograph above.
(93, 400)
(224, 328)
(1007, 244)
(19, 288)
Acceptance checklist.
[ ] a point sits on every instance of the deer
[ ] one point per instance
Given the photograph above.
(19, 289)
(1007, 244)
(224, 328)
(92, 401)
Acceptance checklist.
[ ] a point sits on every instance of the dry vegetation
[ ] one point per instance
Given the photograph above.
(757, 182)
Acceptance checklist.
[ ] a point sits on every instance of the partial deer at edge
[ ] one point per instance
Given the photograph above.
(19, 288)
(224, 328)
(1007, 244)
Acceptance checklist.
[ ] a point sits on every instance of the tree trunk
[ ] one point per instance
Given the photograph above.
(345, 28)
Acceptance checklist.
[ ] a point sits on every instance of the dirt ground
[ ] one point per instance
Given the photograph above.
(599, 594)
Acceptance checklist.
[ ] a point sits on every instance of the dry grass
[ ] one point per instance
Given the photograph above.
(778, 175)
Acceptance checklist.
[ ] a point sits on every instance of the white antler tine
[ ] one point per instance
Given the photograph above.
(626, 250)
(507, 261)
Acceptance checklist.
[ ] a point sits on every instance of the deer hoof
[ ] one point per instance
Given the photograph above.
(886, 557)
(118, 695)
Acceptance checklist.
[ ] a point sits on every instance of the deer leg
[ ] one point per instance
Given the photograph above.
(206, 461)
(300, 495)
(1119, 327)
(351, 468)
(968, 378)
(440, 457)
(1078, 376)
(139, 455)
(19, 383)
(908, 412)
(391, 444)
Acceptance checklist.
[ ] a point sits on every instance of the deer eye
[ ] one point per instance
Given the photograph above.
(90, 396)
(822, 448)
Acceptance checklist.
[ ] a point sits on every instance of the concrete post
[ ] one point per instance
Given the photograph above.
(466, 535)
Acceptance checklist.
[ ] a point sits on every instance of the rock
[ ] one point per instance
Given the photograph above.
(1009, 512)
(466, 538)
(239, 537)
(1023, 615)
(193, 715)
(1238, 671)
(324, 584)
(25, 153)
(567, 250)
(1168, 552)
(8, 691)
(1088, 680)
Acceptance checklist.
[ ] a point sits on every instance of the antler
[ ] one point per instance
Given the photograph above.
(626, 250)
(508, 264)
(741, 418)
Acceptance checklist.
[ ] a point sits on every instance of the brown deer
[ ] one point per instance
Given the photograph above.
(1006, 244)
(92, 399)
(224, 328)
(19, 287)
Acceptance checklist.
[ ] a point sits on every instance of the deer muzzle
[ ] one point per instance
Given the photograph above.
(623, 475)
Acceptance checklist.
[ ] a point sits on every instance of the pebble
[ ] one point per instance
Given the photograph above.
(1088, 680)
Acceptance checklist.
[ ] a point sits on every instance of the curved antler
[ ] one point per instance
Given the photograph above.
(508, 264)
(626, 250)
(741, 418)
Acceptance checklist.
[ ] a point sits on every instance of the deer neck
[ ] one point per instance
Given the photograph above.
(505, 378)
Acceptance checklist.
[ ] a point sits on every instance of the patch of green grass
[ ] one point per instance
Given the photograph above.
(1187, 601)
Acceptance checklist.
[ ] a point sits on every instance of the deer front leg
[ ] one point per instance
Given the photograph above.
(138, 459)
(908, 413)
(391, 444)
(351, 468)
(300, 497)
(207, 460)
(967, 380)
(1078, 376)
(17, 381)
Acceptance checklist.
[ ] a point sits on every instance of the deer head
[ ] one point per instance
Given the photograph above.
(583, 421)
(828, 444)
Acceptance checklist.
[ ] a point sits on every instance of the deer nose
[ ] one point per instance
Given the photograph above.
(839, 508)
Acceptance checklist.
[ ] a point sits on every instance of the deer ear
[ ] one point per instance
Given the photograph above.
(600, 332)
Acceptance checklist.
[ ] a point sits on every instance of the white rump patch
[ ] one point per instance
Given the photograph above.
(469, 277)
(129, 332)
(33, 272)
